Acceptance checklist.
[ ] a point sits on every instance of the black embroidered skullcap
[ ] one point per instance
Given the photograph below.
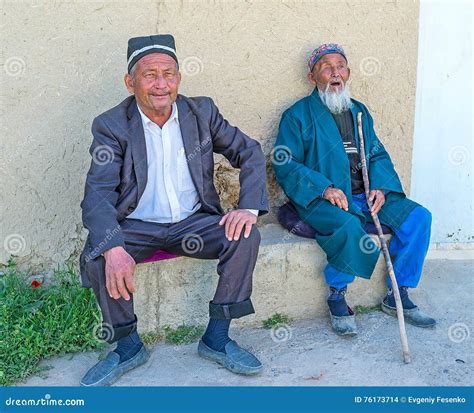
(141, 46)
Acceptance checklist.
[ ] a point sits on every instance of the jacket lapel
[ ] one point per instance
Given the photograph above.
(138, 144)
(336, 155)
(191, 142)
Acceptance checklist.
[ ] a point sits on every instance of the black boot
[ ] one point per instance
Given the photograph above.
(342, 317)
(411, 312)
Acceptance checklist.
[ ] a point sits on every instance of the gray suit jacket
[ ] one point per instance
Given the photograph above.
(118, 172)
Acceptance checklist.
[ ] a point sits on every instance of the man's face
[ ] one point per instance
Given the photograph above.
(330, 70)
(155, 82)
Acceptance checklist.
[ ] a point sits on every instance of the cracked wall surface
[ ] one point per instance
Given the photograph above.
(63, 64)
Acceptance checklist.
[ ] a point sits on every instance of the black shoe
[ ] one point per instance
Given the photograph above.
(412, 314)
(109, 370)
(342, 316)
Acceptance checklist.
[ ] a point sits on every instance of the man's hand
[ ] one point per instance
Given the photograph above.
(119, 269)
(235, 221)
(377, 197)
(336, 197)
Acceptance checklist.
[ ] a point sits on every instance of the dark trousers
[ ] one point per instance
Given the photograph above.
(198, 236)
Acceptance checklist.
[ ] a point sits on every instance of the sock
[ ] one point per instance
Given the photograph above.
(128, 346)
(216, 335)
(406, 302)
(337, 302)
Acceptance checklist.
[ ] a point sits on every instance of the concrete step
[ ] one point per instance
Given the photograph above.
(288, 279)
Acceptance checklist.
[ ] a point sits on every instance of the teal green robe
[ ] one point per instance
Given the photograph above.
(309, 156)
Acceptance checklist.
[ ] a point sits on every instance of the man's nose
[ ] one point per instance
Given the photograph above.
(160, 82)
(334, 72)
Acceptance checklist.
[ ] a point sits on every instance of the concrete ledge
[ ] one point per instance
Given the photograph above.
(288, 279)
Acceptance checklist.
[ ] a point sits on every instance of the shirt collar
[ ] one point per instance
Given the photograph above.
(147, 121)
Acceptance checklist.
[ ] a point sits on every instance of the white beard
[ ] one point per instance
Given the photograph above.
(338, 101)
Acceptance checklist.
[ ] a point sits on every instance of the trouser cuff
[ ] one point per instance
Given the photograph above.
(118, 331)
(229, 311)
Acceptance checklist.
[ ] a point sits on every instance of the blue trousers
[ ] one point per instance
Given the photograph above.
(408, 248)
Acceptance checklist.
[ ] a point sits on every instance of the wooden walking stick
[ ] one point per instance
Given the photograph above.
(383, 242)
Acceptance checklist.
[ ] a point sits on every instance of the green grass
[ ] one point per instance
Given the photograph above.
(39, 323)
(150, 339)
(362, 309)
(183, 334)
(275, 320)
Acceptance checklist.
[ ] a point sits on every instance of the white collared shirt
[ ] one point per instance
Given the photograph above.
(170, 194)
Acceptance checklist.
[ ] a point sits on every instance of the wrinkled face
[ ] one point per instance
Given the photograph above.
(331, 71)
(154, 82)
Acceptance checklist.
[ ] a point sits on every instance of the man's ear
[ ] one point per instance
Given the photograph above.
(129, 83)
(311, 78)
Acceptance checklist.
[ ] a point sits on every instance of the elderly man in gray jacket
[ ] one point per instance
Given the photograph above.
(150, 187)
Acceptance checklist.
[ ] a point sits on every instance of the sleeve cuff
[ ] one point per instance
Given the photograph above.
(253, 211)
(322, 193)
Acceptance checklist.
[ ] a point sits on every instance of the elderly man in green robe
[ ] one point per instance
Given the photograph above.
(317, 163)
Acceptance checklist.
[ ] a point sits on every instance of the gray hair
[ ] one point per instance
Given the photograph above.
(133, 70)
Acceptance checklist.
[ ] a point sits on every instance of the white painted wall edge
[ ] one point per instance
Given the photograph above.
(451, 251)
(442, 166)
